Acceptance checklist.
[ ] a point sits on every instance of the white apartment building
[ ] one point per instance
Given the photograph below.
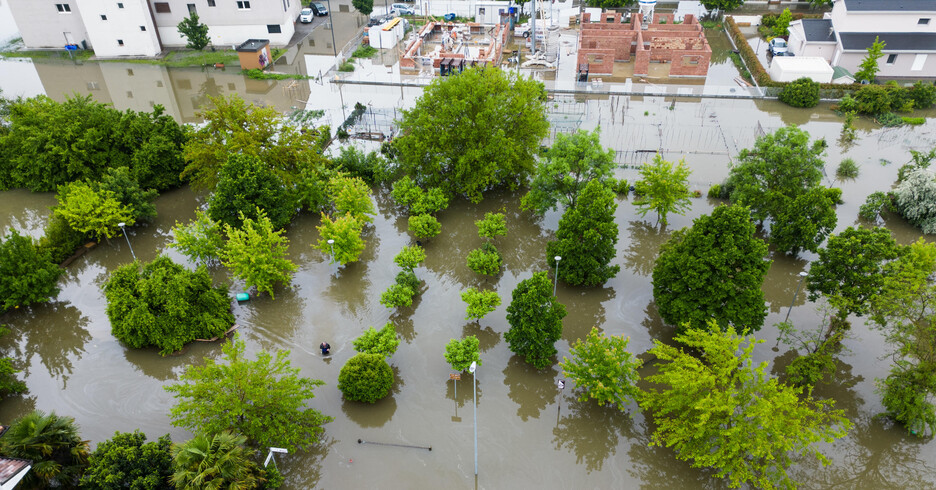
(145, 27)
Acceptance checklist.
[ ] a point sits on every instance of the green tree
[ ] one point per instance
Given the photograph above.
(217, 461)
(479, 302)
(410, 257)
(263, 399)
(92, 212)
(610, 4)
(485, 260)
(725, 5)
(535, 318)
(850, 269)
(363, 6)
(351, 195)
(365, 378)
(720, 411)
(424, 226)
(195, 33)
(27, 273)
(165, 305)
(246, 186)
(128, 461)
(569, 164)
(713, 270)
(603, 369)
(9, 384)
(586, 238)
(492, 226)
(371, 167)
(383, 342)
(258, 254)
(868, 67)
(470, 133)
(461, 353)
(804, 222)
(200, 240)
(915, 198)
(802, 92)
(663, 188)
(346, 232)
(401, 293)
(54, 446)
(417, 200)
(782, 25)
(127, 191)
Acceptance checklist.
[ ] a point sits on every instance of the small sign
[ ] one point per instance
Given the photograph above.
(561, 384)
(455, 376)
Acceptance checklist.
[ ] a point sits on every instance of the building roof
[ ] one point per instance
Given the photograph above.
(914, 42)
(253, 45)
(11, 467)
(839, 72)
(890, 5)
(804, 64)
(819, 30)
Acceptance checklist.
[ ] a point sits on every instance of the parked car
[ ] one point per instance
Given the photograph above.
(777, 46)
(305, 16)
(319, 8)
(401, 9)
(525, 29)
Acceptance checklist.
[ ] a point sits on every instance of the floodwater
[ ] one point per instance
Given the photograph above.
(529, 433)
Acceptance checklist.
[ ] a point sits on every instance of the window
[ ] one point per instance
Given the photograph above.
(311, 43)
(142, 28)
(159, 83)
(162, 7)
(120, 42)
(211, 3)
(891, 59)
(63, 8)
(243, 5)
(129, 72)
(923, 22)
(191, 8)
(103, 17)
(119, 5)
(274, 29)
(93, 86)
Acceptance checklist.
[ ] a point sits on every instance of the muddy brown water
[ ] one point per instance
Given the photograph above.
(529, 433)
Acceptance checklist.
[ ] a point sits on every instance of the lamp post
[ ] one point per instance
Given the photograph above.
(556, 280)
(802, 275)
(332, 243)
(331, 27)
(474, 382)
(121, 225)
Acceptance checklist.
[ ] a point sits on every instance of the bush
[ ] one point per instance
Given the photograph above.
(365, 378)
(914, 121)
(923, 94)
(620, 186)
(128, 461)
(370, 167)
(801, 93)
(346, 66)
(401, 293)
(27, 273)
(874, 205)
(364, 51)
(847, 169)
(424, 226)
(889, 120)
(60, 239)
(715, 192)
(834, 194)
(485, 260)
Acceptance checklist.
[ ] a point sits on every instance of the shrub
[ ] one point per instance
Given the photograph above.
(60, 239)
(364, 51)
(346, 66)
(834, 194)
(914, 121)
(485, 260)
(620, 186)
(401, 293)
(383, 342)
(847, 169)
(128, 461)
(802, 92)
(923, 94)
(365, 378)
(874, 205)
(715, 191)
(889, 120)
(424, 226)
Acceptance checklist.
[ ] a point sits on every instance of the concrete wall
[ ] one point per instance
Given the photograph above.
(41, 25)
(128, 22)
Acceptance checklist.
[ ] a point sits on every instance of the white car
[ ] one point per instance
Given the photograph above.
(305, 16)
(777, 47)
(525, 30)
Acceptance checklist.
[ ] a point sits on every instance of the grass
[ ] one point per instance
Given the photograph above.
(739, 64)
(913, 120)
(178, 59)
(847, 169)
(81, 54)
(364, 51)
(346, 66)
(258, 74)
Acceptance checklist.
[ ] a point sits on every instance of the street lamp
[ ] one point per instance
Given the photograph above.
(474, 382)
(556, 280)
(802, 275)
(121, 225)
(332, 243)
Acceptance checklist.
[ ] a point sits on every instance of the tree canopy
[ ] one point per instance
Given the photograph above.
(365, 378)
(569, 164)
(586, 238)
(54, 446)
(868, 67)
(473, 132)
(194, 32)
(535, 318)
(663, 187)
(27, 273)
(461, 353)
(257, 254)
(246, 186)
(201, 240)
(263, 399)
(346, 233)
(603, 369)
(214, 461)
(721, 411)
(479, 302)
(128, 461)
(383, 342)
(95, 212)
(713, 270)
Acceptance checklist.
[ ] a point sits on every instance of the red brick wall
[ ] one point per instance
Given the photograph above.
(595, 67)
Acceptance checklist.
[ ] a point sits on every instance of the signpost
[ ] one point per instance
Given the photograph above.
(455, 377)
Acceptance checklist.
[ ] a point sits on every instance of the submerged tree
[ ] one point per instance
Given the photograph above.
(535, 318)
(257, 254)
(27, 273)
(52, 444)
(663, 187)
(586, 238)
(480, 303)
(461, 353)
(603, 369)
(128, 461)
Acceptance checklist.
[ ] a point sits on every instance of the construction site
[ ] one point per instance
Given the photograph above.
(451, 47)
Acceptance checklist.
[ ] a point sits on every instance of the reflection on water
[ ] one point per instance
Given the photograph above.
(58, 344)
(591, 432)
(531, 389)
(643, 246)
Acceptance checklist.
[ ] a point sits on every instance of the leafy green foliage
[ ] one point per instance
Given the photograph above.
(782, 26)
(923, 94)
(49, 143)
(257, 254)
(200, 241)
(874, 205)
(424, 226)
(128, 461)
(365, 378)
(721, 411)
(802, 92)
(485, 260)
(586, 238)
(416, 199)
(52, 443)
(27, 273)
(907, 393)
(479, 302)
(263, 399)
(492, 226)
(603, 369)
(915, 199)
(535, 318)
(165, 305)
(60, 239)
(610, 4)
(246, 186)
(663, 188)
(195, 33)
(126, 189)
(346, 232)
(410, 257)
(569, 164)
(806, 221)
(363, 6)
(92, 212)
(383, 342)
(9, 384)
(461, 353)
(219, 460)
(722, 4)
(401, 293)
(351, 195)
(369, 167)
(713, 270)
(473, 132)
(869, 65)
(847, 169)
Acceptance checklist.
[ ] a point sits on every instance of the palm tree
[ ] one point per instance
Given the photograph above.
(214, 463)
(52, 443)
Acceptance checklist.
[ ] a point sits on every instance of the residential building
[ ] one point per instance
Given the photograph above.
(145, 27)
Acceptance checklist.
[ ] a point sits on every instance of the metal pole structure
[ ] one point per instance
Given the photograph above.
(802, 276)
(474, 382)
(331, 24)
(533, 33)
(121, 225)
(332, 244)
(556, 280)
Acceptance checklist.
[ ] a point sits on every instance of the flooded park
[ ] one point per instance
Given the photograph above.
(529, 432)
